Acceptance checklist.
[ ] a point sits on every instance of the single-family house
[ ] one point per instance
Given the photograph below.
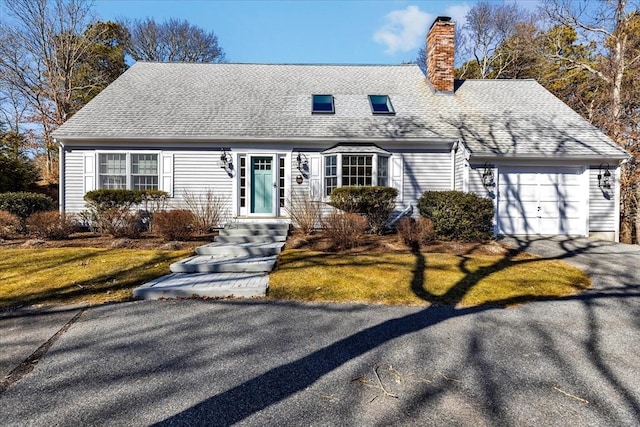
(258, 134)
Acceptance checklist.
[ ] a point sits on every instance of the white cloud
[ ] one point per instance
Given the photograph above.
(404, 30)
(458, 13)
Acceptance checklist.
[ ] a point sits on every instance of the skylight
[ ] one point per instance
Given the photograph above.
(322, 104)
(381, 104)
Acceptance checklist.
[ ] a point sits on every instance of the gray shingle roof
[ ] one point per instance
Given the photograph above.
(227, 101)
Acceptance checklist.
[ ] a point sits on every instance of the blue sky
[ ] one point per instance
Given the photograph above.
(353, 31)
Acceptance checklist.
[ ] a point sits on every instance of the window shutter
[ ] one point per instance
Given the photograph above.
(396, 174)
(167, 173)
(89, 171)
(315, 177)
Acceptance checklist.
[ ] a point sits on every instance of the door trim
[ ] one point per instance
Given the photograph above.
(249, 191)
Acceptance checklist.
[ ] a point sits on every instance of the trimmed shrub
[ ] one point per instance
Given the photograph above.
(107, 199)
(415, 231)
(173, 225)
(457, 215)
(304, 212)
(51, 225)
(24, 204)
(376, 203)
(9, 224)
(344, 229)
(111, 211)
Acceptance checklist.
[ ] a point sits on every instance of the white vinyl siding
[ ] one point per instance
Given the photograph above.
(602, 203)
(198, 172)
(425, 172)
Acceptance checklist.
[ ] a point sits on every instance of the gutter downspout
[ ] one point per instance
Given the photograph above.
(61, 181)
(454, 152)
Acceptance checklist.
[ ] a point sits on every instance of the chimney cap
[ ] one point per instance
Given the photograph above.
(440, 19)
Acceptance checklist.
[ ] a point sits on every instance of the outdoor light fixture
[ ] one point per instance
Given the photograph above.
(299, 179)
(303, 162)
(604, 180)
(226, 161)
(487, 176)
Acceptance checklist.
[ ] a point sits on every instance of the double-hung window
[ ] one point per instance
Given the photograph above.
(144, 171)
(343, 167)
(134, 171)
(113, 171)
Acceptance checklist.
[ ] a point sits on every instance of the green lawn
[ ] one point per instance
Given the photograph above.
(421, 278)
(74, 275)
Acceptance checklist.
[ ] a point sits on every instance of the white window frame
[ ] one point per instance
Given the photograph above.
(339, 156)
(129, 167)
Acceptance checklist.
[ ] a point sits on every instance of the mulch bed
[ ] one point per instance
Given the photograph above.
(373, 243)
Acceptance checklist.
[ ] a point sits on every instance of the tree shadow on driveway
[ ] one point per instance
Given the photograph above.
(278, 384)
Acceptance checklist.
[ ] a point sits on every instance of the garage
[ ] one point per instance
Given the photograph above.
(536, 200)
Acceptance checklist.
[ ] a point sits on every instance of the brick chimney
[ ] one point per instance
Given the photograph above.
(440, 51)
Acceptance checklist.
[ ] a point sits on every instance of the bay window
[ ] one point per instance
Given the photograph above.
(355, 170)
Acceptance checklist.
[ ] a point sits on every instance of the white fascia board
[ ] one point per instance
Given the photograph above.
(526, 157)
(321, 143)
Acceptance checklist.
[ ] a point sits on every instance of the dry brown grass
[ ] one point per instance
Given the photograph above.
(78, 275)
(461, 274)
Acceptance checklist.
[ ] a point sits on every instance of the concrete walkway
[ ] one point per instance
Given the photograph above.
(236, 264)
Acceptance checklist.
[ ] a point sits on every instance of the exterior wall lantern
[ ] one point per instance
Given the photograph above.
(302, 162)
(604, 179)
(226, 161)
(487, 176)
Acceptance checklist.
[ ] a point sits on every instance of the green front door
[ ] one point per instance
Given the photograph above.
(262, 185)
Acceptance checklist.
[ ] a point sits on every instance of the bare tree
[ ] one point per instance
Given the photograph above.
(42, 49)
(172, 41)
(609, 26)
(488, 26)
(613, 27)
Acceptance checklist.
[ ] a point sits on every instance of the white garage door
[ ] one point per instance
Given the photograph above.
(541, 201)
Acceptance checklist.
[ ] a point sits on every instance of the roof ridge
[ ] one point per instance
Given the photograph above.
(280, 64)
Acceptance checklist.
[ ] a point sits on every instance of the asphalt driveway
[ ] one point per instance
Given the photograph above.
(573, 361)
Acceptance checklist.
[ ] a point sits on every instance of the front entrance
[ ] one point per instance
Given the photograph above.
(262, 184)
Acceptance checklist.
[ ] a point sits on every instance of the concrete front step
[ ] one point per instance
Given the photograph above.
(224, 264)
(250, 239)
(258, 226)
(254, 249)
(250, 232)
(190, 285)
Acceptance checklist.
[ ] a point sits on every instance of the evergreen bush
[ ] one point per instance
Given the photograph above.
(23, 204)
(457, 215)
(376, 203)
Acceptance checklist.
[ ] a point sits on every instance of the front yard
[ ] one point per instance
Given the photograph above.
(380, 271)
